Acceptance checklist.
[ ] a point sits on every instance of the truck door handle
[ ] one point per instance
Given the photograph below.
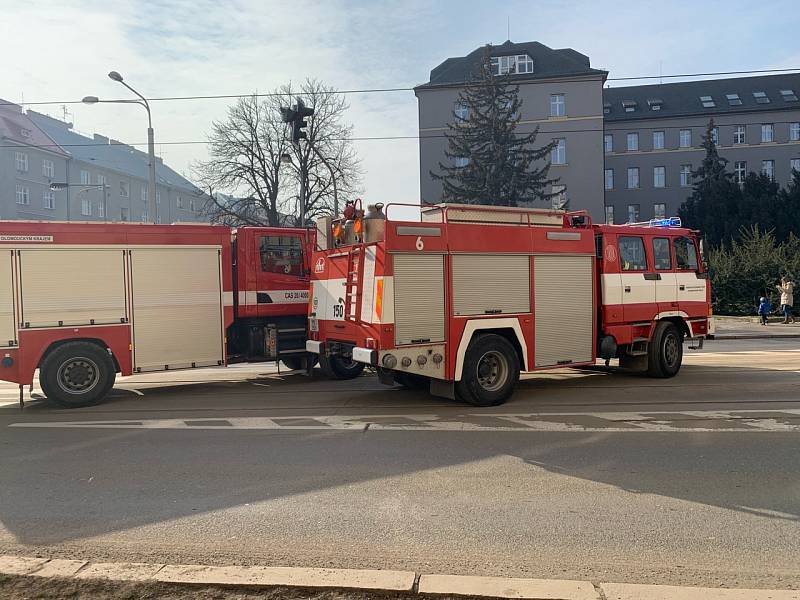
(682, 288)
(627, 288)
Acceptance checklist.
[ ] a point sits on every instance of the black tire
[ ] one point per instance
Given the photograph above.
(340, 367)
(491, 371)
(665, 351)
(412, 381)
(299, 363)
(77, 374)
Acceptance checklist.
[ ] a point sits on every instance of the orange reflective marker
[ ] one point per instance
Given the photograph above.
(358, 226)
(379, 299)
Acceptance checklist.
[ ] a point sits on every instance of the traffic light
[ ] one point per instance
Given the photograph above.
(295, 116)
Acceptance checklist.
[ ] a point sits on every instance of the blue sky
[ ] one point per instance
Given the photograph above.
(186, 47)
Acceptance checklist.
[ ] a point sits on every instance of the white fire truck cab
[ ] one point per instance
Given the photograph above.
(466, 299)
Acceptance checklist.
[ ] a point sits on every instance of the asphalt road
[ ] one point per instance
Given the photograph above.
(590, 474)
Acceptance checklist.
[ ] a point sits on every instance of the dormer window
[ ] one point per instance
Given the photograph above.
(788, 96)
(606, 108)
(733, 99)
(707, 102)
(512, 65)
(761, 97)
(26, 133)
(655, 103)
(628, 105)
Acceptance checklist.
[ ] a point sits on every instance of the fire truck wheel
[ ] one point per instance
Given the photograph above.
(340, 367)
(77, 374)
(298, 363)
(665, 352)
(491, 370)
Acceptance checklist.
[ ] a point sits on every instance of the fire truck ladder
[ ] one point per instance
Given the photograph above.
(352, 286)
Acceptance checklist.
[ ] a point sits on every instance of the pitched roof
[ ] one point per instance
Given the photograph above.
(18, 128)
(683, 98)
(547, 62)
(108, 154)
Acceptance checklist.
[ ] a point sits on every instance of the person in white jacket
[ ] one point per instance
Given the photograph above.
(786, 288)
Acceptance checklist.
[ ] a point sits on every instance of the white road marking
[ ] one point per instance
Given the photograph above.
(617, 422)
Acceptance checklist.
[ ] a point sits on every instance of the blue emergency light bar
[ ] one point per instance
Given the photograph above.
(670, 222)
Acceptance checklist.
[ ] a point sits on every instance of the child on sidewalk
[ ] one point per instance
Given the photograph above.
(764, 308)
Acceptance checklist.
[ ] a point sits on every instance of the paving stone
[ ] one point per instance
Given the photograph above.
(501, 587)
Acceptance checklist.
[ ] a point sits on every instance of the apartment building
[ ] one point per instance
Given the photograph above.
(653, 136)
(106, 180)
(561, 94)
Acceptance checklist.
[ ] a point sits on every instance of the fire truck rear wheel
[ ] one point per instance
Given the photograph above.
(665, 352)
(340, 367)
(77, 374)
(491, 371)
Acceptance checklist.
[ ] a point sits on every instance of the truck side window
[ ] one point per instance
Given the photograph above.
(685, 254)
(281, 254)
(631, 254)
(661, 254)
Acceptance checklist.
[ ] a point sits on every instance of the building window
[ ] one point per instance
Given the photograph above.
(158, 196)
(192, 207)
(49, 200)
(739, 171)
(608, 142)
(21, 161)
(655, 103)
(633, 178)
(86, 178)
(86, 207)
(145, 216)
(606, 108)
(633, 213)
(659, 211)
(739, 134)
(761, 97)
(101, 181)
(685, 138)
(124, 214)
(559, 198)
(609, 177)
(144, 194)
(48, 169)
(502, 65)
(794, 165)
(558, 105)
(460, 162)
(633, 141)
(768, 168)
(794, 132)
(101, 209)
(707, 102)
(658, 140)
(715, 135)
(767, 133)
(628, 106)
(179, 202)
(788, 96)
(686, 175)
(124, 189)
(558, 155)
(733, 99)
(659, 177)
(461, 112)
(23, 195)
(609, 215)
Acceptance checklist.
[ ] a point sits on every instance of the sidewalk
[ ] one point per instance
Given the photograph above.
(21, 576)
(743, 328)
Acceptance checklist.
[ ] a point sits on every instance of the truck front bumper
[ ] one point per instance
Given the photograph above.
(365, 355)
(313, 347)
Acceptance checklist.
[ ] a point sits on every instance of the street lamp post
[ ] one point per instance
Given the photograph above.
(151, 151)
(56, 187)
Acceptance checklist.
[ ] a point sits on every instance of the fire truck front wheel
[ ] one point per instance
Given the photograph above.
(665, 351)
(340, 367)
(491, 370)
(77, 374)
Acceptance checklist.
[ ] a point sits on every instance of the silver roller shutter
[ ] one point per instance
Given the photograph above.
(418, 298)
(564, 309)
(7, 328)
(491, 284)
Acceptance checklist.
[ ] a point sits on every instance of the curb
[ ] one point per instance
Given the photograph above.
(756, 336)
(374, 580)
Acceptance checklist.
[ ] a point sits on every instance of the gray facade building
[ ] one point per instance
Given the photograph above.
(560, 93)
(653, 136)
(37, 150)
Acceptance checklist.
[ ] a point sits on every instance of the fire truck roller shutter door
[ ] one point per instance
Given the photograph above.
(177, 316)
(72, 286)
(418, 298)
(564, 309)
(491, 284)
(7, 329)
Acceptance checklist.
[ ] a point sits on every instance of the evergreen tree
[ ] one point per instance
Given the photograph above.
(713, 206)
(490, 162)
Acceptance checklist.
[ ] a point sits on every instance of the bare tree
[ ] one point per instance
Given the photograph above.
(249, 180)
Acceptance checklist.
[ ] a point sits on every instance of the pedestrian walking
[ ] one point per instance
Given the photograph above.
(764, 308)
(786, 288)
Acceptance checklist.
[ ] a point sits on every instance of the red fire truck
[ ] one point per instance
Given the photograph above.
(83, 302)
(471, 296)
